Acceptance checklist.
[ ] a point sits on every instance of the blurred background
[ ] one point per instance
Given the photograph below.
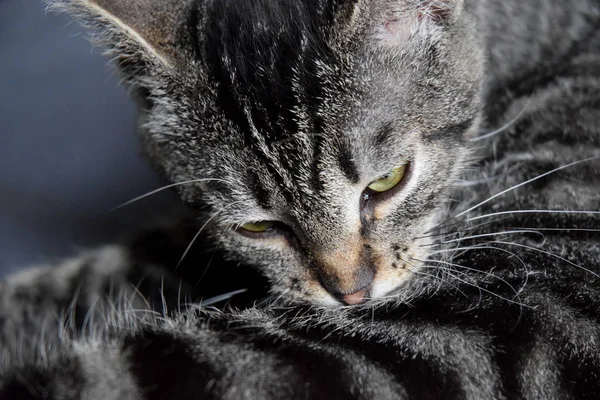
(68, 149)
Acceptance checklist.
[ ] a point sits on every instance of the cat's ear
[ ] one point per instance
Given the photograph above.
(402, 19)
(138, 32)
(395, 22)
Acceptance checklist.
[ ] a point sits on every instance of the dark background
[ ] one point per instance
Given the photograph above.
(68, 149)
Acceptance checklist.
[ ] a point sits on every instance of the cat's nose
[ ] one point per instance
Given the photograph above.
(350, 288)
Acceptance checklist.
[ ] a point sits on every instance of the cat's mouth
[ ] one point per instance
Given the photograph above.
(355, 298)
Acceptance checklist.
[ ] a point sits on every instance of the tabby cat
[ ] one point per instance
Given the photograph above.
(321, 143)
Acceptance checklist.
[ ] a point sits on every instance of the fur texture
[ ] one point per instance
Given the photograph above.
(287, 111)
(505, 305)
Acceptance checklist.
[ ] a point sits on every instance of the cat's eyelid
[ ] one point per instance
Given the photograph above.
(249, 219)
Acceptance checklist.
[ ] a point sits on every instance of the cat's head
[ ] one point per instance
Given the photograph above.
(317, 139)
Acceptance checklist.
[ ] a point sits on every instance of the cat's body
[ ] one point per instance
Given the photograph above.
(505, 307)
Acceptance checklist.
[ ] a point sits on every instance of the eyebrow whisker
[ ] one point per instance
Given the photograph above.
(160, 189)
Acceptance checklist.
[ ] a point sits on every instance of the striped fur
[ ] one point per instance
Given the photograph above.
(505, 307)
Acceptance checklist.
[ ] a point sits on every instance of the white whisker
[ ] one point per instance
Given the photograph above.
(486, 246)
(550, 254)
(575, 212)
(486, 273)
(505, 126)
(449, 223)
(213, 216)
(205, 269)
(483, 289)
(189, 246)
(467, 248)
(527, 182)
(492, 234)
(162, 189)
(437, 278)
(564, 229)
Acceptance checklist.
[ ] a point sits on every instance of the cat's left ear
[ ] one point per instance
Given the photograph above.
(139, 32)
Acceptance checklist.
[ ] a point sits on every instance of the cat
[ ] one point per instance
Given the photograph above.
(275, 120)
(350, 121)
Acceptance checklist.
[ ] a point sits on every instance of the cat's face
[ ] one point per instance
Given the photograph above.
(328, 137)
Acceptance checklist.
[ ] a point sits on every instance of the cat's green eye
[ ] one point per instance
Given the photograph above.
(257, 227)
(389, 181)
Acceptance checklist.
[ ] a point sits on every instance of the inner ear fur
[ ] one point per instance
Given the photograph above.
(438, 11)
(401, 19)
(136, 30)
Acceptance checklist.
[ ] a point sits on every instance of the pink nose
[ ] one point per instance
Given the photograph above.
(354, 298)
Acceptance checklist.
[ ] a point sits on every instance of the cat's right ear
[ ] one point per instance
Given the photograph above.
(139, 33)
(404, 19)
(395, 22)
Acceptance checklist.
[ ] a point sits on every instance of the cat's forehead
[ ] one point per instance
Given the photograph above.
(290, 104)
(275, 68)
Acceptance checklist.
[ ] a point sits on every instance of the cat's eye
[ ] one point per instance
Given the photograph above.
(388, 181)
(257, 227)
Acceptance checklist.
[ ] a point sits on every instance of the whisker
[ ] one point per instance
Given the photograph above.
(550, 254)
(205, 269)
(487, 273)
(441, 280)
(417, 271)
(505, 126)
(482, 246)
(527, 182)
(493, 234)
(575, 212)
(449, 223)
(484, 289)
(481, 224)
(486, 246)
(213, 216)
(447, 271)
(135, 290)
(433, 235)
(189, 246)
(567, 229)
(162, 189)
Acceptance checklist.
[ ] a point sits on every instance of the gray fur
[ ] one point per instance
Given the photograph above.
(504, 301)
(420, 86)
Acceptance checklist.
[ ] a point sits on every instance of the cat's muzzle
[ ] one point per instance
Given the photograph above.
(350, 287)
